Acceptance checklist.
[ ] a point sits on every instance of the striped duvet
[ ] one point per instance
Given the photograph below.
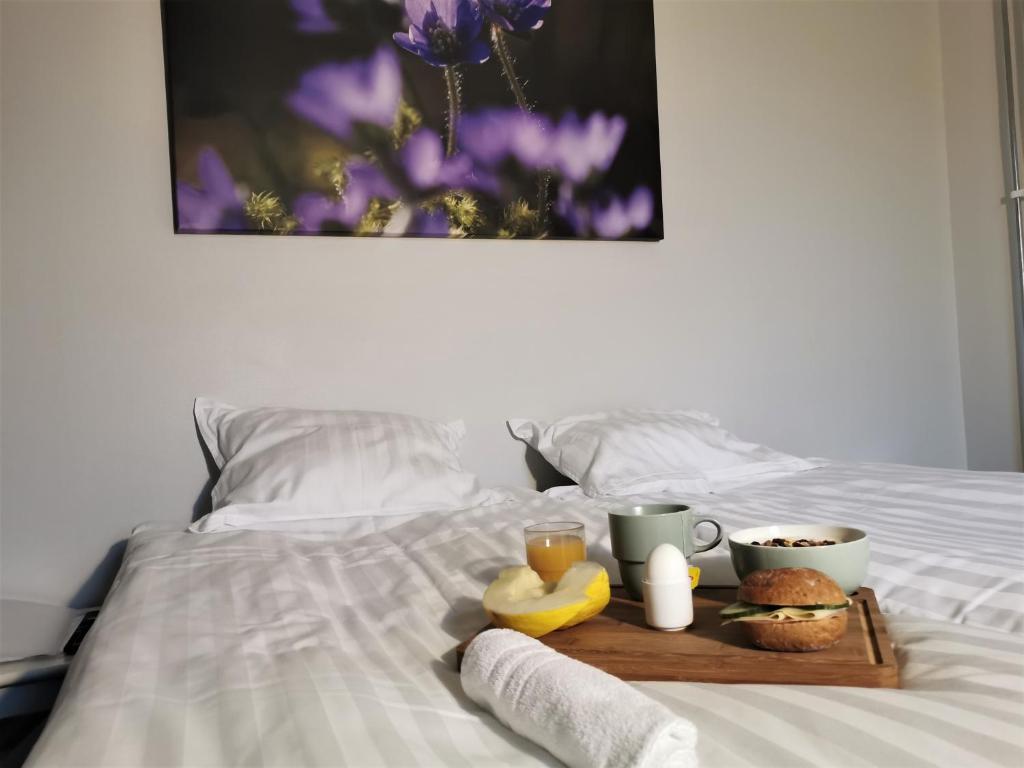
(292, 648)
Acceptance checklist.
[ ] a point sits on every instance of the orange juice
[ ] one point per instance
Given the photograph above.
(550, 555)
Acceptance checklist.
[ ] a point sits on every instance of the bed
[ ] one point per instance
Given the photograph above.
(331, 641)
(301, 648)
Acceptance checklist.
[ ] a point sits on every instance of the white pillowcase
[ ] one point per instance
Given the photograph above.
(280, 464)
(630, 453)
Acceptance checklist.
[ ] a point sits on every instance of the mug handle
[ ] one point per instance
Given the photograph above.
(718, 536)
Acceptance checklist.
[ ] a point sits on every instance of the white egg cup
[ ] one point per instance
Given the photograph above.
(668, 601)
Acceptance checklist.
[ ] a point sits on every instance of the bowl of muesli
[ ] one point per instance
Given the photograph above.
(836, 550)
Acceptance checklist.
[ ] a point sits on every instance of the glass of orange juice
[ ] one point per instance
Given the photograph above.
(552, 547)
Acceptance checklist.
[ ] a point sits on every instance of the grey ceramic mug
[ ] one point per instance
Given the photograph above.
(635, 531)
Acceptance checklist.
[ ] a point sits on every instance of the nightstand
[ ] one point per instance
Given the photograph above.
(32, 660)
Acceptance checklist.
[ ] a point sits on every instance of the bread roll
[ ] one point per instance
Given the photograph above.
(796, 635)
(802, 587)
(790, 586)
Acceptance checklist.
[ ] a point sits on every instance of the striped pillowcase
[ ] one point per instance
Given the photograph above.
(280, 464)
(640, 452)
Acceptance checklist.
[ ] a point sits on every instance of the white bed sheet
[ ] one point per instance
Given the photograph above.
(273, 648)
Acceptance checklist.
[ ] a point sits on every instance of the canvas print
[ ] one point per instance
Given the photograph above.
(430, 118)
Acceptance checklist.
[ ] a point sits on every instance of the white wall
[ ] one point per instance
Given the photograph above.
(804, 290)
(981, 247)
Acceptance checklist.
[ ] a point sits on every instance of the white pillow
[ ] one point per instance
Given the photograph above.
(631, 453)
(281, 464)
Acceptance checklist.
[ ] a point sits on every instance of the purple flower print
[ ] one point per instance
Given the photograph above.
(422, 169)
(428, 224)
(582, 147)
(516, 15)
(313, 17)
(314, 210)
(417, 172)
(572, 148)
(617, 217)
(364, 182)
(609, 218)
(484, 135)
(425, 165)
(444, 32)
(492, 136)
(337, 96)
(215, 203)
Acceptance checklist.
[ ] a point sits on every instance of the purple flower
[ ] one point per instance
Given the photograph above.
(444, 32)
(423, 159)
(317, 212)
(365, 182)
(416, 172)
(516, 15)
(583, 147)
(610, 218)
(617, 217)
(428, 224)
(572, 148)
(215, 203)
(313, 17)
(492, 136)
(336, 96)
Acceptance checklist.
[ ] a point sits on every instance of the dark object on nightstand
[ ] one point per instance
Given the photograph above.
(84, 625)
(34, 641)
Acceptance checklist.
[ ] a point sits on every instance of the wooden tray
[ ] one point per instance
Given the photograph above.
(620, 642)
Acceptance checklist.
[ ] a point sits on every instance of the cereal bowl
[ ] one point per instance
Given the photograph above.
(846, 561)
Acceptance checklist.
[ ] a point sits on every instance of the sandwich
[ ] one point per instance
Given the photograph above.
(790, 609)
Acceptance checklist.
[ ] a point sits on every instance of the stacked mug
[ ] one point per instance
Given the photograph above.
(637, 530)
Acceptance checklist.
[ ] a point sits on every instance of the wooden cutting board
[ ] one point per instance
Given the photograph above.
(620, 642)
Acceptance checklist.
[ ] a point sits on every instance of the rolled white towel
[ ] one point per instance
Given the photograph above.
(581, 715)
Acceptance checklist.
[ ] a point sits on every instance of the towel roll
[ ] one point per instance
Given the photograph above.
(581, 715)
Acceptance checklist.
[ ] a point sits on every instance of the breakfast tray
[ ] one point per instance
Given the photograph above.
(620, 642)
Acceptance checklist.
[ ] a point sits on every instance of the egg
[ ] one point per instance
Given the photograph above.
(666, 565)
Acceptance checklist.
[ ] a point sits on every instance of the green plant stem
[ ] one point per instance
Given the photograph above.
(451, 79)
(542, 200)
(500, 45)
(504, 56)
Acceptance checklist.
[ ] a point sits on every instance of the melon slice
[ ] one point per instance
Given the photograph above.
(519, 599)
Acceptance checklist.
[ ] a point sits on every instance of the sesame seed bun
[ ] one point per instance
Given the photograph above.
(790, 586)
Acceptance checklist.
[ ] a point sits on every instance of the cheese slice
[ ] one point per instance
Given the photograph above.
(790, 613)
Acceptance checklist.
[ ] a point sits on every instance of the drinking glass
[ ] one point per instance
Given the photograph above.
(552, 547)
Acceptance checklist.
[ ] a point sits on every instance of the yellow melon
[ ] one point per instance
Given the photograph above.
(519, 599)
